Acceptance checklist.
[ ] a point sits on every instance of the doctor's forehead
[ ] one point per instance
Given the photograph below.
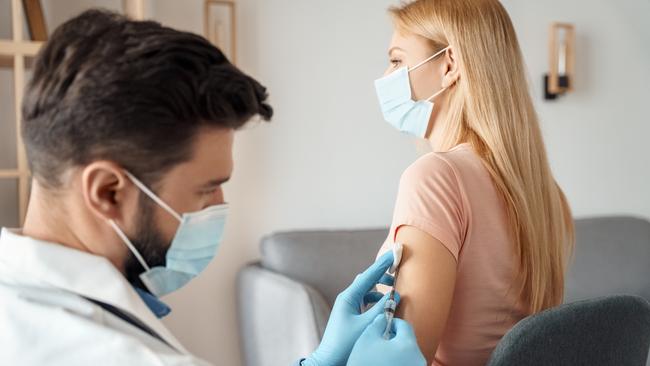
(211, 161)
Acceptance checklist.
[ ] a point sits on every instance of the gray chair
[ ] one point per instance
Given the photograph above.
(285, 299)
(608, 331)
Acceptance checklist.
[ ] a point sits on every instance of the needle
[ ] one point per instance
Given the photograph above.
(390, 307)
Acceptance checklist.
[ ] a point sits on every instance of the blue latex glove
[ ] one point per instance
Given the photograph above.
(372, 349)
(346, 322)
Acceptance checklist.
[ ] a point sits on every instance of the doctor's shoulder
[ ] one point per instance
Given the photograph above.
(48, 326)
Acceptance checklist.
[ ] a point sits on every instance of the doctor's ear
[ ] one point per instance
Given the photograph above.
(452, 69)
(105, 188)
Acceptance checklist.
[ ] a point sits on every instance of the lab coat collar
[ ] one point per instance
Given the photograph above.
(88, 275)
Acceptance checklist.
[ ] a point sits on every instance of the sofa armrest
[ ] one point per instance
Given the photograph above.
(281, 320)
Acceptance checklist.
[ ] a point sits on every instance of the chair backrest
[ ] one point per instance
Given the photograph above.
(612, 257)
(327, 261)
(613, 330)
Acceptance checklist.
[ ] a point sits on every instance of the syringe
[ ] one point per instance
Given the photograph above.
(391, 304)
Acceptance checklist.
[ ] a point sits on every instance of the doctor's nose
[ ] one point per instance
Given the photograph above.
(216, 198)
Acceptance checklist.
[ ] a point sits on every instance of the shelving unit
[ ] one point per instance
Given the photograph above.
(15, 54)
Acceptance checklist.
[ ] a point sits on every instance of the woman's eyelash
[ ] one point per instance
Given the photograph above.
(395, 61)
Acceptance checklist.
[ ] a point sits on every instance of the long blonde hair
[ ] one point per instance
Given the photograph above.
(490, 107)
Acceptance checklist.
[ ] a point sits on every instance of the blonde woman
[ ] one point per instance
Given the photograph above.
(487, 231)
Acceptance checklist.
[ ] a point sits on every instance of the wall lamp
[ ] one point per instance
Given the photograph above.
(561, 43)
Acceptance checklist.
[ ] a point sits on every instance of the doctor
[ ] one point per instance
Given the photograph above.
(128, 128)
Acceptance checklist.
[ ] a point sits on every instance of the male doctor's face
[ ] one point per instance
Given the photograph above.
(163, 106)
(188, 187)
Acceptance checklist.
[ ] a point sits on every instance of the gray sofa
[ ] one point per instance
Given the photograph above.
(285, 299)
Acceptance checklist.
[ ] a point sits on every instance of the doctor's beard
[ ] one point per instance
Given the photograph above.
(148, 241)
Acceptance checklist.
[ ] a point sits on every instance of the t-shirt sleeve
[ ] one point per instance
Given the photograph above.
(430, 199)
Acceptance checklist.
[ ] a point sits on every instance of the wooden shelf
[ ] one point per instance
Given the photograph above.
(25, 48)
(7, 62)
(9, 174)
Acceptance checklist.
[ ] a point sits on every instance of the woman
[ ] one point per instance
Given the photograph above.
(487, 231)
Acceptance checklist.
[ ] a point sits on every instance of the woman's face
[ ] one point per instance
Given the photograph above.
(408, 50)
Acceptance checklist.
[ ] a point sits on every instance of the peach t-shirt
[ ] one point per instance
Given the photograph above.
(451, 196)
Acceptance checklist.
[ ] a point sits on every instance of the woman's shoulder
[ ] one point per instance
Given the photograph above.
(445, 166)
(432, 198)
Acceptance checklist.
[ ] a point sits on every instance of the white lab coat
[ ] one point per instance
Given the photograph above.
(45, 319)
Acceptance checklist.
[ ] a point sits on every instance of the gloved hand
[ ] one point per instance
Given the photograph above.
(346, 321)
(372, 349)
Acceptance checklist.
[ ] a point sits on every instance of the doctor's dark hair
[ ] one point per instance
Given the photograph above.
(133, 92)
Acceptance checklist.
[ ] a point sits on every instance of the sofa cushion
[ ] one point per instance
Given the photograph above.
(325, 260)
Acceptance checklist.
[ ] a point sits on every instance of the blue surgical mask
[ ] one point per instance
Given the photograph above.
(397, 105)
(195, 244)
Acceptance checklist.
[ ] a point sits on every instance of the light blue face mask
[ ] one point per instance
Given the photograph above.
(195, 244)
(397, 105)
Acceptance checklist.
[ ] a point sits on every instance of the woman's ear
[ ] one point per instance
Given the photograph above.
(452, 69)
(104, 188)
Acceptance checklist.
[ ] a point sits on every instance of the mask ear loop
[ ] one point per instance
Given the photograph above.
(436, 94)
(128, 243)
(429, 59)
(153, 196)
(156, 199)
(424, 62)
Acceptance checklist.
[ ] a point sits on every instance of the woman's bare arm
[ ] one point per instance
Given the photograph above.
(426, 280)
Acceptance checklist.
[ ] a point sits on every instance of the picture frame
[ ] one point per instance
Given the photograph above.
(219, 26)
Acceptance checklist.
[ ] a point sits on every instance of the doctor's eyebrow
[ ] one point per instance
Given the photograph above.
(215, 182)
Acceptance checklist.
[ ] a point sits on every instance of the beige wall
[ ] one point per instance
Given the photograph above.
(328, 159)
